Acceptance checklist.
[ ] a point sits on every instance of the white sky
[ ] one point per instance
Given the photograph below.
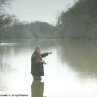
(39, 10)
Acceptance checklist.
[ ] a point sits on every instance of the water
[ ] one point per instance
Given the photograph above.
(71, 70)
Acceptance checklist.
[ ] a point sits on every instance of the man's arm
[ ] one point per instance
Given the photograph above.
(45, 54)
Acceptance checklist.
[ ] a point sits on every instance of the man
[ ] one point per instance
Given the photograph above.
(37, 69)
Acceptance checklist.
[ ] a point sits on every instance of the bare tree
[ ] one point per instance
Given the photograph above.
(4, 18)
(4, 2)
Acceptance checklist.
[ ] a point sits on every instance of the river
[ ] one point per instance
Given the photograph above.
(71, 71)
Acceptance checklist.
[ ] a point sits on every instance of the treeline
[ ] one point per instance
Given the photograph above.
(23, 30)
(80, 21)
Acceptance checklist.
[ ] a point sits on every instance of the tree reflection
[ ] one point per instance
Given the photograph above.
(81, 56)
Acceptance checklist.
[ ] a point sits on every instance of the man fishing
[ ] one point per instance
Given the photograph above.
(37, 68)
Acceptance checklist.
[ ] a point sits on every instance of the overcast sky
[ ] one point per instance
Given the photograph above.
(39, 10)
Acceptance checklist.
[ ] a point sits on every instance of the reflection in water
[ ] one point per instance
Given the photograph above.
(81, 57)
(37, 88)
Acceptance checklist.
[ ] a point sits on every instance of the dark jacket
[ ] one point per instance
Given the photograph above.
(37, 68)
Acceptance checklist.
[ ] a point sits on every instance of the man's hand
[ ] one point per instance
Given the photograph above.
(43, 62)
(49, 52)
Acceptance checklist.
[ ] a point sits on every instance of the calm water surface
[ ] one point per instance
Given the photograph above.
(71, 70)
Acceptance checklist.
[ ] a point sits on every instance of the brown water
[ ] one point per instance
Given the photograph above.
(71, 70)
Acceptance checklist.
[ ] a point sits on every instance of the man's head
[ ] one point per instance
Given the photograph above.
(37, 50)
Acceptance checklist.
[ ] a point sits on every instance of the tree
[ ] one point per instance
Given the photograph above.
(80, 21)
(4, 18)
